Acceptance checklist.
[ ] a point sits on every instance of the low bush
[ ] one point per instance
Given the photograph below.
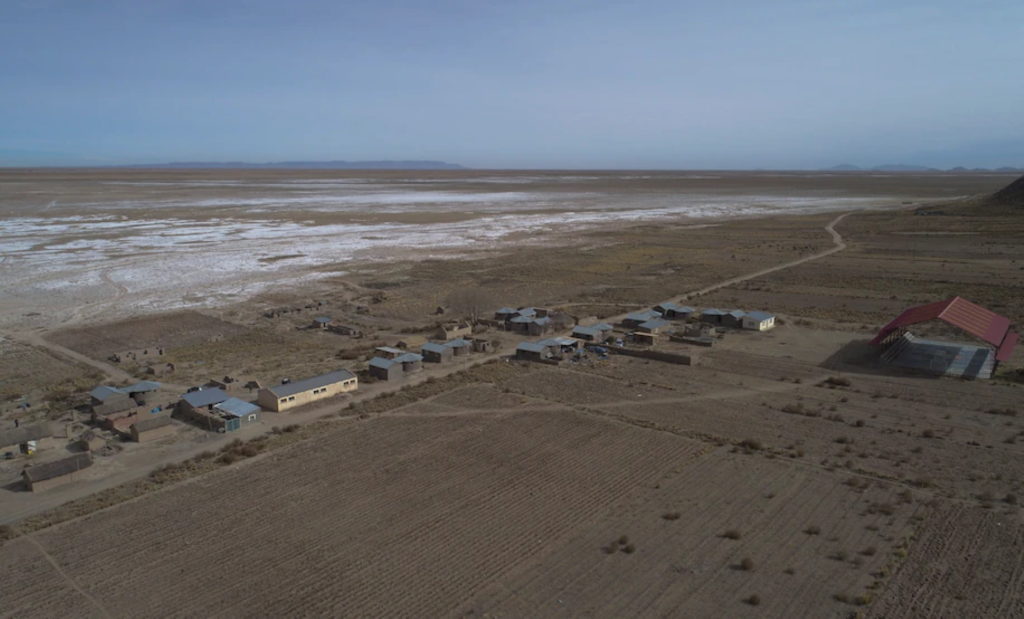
(813, 530)
(732, 534)
(753, 600)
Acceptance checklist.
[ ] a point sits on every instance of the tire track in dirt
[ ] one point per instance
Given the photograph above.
(68, 579)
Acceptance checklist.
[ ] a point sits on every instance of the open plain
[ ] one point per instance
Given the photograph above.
(788, 474)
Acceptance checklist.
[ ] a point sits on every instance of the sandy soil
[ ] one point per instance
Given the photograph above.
(746, 485)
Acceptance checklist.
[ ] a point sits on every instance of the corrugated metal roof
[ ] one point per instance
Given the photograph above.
(527, 311)
(558, 341)
(322, 319)
(531, 346)
(237, 407)
(643, 316)
(142, 386)
(654, 324)
(103, 392)
(307, 384)
(458, 343)
(736, 313)
(711, 311)
(592, 330)
(409, 357)
(205, 397)
(381, 362)
(435, 348)
(759, 316)
(391, 350)
(961, 313)
(1006, 348)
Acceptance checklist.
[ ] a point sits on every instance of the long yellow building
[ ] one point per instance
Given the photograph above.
(291, 394)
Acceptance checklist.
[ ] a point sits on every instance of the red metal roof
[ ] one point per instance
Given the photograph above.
(961, 313)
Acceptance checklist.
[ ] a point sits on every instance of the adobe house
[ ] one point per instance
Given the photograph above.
(642, 338)
(152, 428)
(453, 330)
(712, 316)
(533, 351)
(105, 400)
(592, 333)
(436, 353)
(673, 311)
(382, 368)
(15, 440)
(758, 321)
(653, 327)
(733, 319)
(292, 394)
(57, 473)
(635, 319)
(460, 347)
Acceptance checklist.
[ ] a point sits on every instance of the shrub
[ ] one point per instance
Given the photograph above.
(624, 539)
(732, 534)
(753, 600)
(751, 444)
(1010, 499)
(839, 555)
(813, 530)
(869, 551)
(789, 570)
(863, 599)
(837, 381)
(671, 515)
(629, 549)
(1006, 412)
(841, 597)
(928, 434)
(747, 564)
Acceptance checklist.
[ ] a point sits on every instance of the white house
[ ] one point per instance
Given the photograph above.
(758, 321)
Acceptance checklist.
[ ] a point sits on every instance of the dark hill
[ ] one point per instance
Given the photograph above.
(1011, 195)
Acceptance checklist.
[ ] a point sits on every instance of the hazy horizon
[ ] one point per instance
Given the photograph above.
(657, 85)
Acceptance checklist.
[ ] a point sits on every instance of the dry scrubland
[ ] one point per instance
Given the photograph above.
(787, 475)
(616, 488)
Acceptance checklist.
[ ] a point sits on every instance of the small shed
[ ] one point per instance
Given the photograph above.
(436, 353)
(758, 321)
(411, 362)
(383, 368)
(389, 352)
(481, 345)
(539, 326)
(321, 322)
(151, 428)
(57, 473)
(237, 412)
(460, 346)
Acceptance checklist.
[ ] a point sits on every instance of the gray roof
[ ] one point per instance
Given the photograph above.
(57, 468)
(435, 348)
(238, 408)
(532, 346)
(712, 312)
(103, 392)
(506, 310)
(152, 422)
(311, 383)
(205, 397)
(654, 324)
(527, 311)
(643, 316)
(142, 386)
(409, 357)
(759, 315)
(458, 343)
(390, 350)
(522, 319)
(381, 362)
(25, 433)
(322, 319)
(737, 313)
(558, 341)
(592, 330)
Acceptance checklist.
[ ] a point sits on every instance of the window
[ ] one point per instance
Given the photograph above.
(252, 417)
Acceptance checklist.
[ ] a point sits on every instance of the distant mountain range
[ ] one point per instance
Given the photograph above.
(307, 165)
(904, 167)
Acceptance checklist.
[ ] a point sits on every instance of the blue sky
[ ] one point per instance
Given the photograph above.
(522, 84)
